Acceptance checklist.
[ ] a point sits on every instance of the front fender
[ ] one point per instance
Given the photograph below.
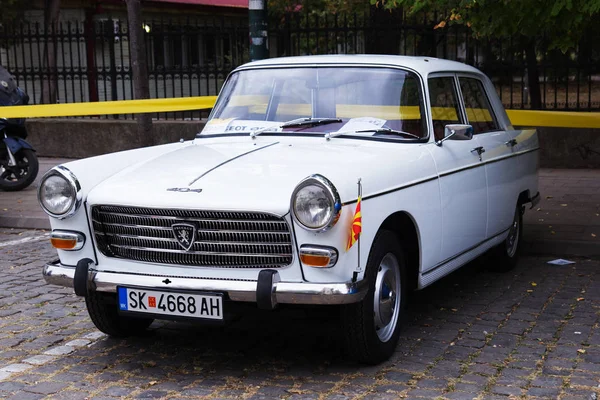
(16, 144)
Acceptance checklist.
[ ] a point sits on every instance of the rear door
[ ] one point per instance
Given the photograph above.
(461, 172)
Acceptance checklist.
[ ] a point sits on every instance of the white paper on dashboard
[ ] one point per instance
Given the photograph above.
(362, 123)
(244, 125)
(216, 125)
(231, 125)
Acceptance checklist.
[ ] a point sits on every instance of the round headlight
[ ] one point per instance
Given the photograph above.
(316, 204)
(59, 193)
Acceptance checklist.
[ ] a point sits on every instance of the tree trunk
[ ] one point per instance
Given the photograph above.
(49, 95)
(533, 75)
(139, 67)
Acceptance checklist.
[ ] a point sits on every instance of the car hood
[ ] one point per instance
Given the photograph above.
(242, 174)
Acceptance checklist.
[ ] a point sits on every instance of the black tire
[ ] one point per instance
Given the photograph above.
(102, 308)
(364, 342)
(23, 174)
(506, 255)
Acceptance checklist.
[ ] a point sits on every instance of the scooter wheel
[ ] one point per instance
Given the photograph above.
(18, 177)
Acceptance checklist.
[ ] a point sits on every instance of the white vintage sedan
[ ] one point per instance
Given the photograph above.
(334, 180)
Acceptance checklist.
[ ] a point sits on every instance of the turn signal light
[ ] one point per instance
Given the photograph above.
(318, 256)
(66, 240)
(314, 261)
(63, 244)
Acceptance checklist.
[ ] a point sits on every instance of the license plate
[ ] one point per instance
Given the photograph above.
(205, 306)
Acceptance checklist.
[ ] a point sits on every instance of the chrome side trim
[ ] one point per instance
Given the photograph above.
(69, 235)
(425, 180)
(445, 267)
(284, 292)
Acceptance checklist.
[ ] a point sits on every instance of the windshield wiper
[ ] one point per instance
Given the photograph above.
(374, 130)
(295, 123)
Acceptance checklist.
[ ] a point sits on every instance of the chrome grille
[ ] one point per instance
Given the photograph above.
(223, 239)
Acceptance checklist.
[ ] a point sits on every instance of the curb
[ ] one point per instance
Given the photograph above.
(25, 222)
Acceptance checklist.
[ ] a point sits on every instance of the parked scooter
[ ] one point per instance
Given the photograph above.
(18, 161)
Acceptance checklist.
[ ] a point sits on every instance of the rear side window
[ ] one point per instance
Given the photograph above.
(477, 105)
(444, 104)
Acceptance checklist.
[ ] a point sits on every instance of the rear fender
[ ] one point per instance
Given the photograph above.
(16, 144)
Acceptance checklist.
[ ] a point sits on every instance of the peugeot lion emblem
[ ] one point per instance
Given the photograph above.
(185, 235)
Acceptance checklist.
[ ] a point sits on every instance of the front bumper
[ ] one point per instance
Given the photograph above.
(237, 290)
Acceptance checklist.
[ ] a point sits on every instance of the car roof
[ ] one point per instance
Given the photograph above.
(423, 65)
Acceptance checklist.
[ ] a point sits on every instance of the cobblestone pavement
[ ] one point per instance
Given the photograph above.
(530, 333)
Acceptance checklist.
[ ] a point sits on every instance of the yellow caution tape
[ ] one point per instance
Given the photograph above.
(109, 107)
(558, 119)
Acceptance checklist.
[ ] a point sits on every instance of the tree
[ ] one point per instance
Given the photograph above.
(139, 67)
(277, 8)
(13, 10)
(304, 14)
(561, 22)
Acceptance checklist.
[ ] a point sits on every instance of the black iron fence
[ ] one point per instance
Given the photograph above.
(81, 61)
(566, 81)
(88, 60)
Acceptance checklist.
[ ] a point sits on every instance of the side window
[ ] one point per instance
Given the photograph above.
(444, 104)
(477, 105)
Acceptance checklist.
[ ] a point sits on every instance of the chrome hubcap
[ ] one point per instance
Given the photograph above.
(386, 302)
(512, 241)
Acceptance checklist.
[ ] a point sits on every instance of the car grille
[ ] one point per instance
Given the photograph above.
(223, 239)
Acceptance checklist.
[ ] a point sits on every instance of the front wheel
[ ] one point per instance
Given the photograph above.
(372, 326)
(102, 308)
(19, 176)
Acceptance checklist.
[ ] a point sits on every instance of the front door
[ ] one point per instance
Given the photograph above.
(461, 174)
(502, 200)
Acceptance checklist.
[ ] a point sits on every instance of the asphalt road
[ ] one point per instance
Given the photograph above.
(534, 332)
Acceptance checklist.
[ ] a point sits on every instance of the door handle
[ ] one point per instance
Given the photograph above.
(480, 150)
(511, 142)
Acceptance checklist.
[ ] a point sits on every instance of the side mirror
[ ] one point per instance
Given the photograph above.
(456, 132)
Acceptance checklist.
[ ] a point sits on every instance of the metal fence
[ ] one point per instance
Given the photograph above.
(88, 60)
(567, 81)
(82, 61)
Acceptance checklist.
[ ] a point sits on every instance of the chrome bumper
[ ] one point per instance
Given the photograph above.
(281, 292)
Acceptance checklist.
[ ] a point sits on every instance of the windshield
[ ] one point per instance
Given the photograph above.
(360, 99)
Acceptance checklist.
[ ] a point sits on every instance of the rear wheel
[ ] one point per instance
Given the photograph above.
(372, 326)
(506, 254)
(19, 176)
(102, 308)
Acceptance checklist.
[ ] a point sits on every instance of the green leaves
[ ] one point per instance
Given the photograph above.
(13, 10)
(562, 22)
